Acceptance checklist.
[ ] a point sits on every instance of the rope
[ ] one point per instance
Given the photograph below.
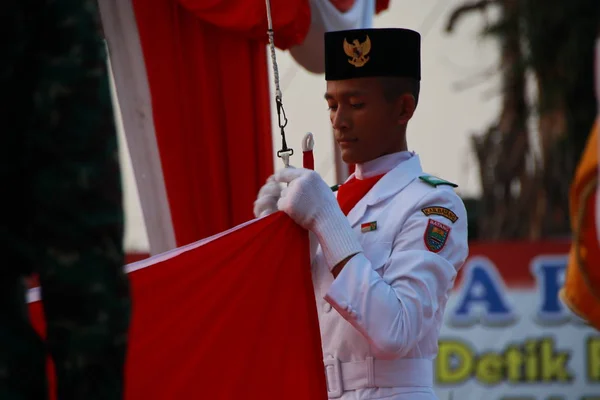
(282, 120)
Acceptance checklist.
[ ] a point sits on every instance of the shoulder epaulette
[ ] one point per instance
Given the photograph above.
(435, 181)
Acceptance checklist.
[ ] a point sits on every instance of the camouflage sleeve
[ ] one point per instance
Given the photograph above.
(65, 181)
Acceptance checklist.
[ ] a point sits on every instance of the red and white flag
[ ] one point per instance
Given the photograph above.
(229, 317)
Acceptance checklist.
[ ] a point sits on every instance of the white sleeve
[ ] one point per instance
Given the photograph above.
(396, 308)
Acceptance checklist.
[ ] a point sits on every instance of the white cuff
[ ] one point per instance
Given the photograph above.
(336, 236)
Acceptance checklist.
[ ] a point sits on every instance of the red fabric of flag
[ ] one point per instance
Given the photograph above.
(234, 318)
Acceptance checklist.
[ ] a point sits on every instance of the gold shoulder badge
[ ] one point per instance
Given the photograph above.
(442, 211)
(435, 181)
(358, 51)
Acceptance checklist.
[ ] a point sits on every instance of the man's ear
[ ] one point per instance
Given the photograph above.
(406, 108)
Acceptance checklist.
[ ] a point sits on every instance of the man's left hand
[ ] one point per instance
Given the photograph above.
(306, 198)
(309, 201)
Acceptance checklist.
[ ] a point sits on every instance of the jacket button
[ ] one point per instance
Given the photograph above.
(326, 307)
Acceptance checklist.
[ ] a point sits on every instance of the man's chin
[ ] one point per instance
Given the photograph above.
(350, 157)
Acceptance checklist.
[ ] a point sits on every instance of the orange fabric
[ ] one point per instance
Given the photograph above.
(352, 191)
(581, 290)
(208, 75)
(234, 318)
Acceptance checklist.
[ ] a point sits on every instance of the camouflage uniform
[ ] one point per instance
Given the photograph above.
(63, 216)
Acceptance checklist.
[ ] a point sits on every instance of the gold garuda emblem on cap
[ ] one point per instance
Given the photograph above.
(358, 51)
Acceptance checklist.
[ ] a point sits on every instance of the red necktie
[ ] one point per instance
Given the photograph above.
(352, 191)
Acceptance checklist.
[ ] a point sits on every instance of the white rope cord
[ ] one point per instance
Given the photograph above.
(308, 142)
(272, 48)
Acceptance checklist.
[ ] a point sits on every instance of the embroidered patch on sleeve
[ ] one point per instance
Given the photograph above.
(442, 211)
(436, 235)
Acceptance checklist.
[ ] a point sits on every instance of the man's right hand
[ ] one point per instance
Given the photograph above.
(266, 201)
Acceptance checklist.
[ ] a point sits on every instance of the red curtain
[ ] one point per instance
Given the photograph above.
(346, 5)
(207, 68)
(233, 318)
(381, 5)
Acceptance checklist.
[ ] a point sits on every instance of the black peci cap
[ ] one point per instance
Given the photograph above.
(361, 53)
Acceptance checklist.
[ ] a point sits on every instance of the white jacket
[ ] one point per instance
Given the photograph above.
(387, 303)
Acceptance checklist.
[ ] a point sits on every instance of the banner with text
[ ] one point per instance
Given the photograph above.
(506, 334)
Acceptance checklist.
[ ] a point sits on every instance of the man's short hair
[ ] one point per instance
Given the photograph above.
(394, 87)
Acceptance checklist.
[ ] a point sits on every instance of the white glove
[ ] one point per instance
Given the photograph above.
(266, 201)
(311, 204)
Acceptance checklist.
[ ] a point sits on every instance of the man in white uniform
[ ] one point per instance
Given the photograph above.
(391, 244)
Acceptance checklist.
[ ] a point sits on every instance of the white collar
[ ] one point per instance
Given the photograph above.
(391, 183)
(381, 165)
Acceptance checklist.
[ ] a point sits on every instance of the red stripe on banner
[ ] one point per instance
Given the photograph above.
(513, 259)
